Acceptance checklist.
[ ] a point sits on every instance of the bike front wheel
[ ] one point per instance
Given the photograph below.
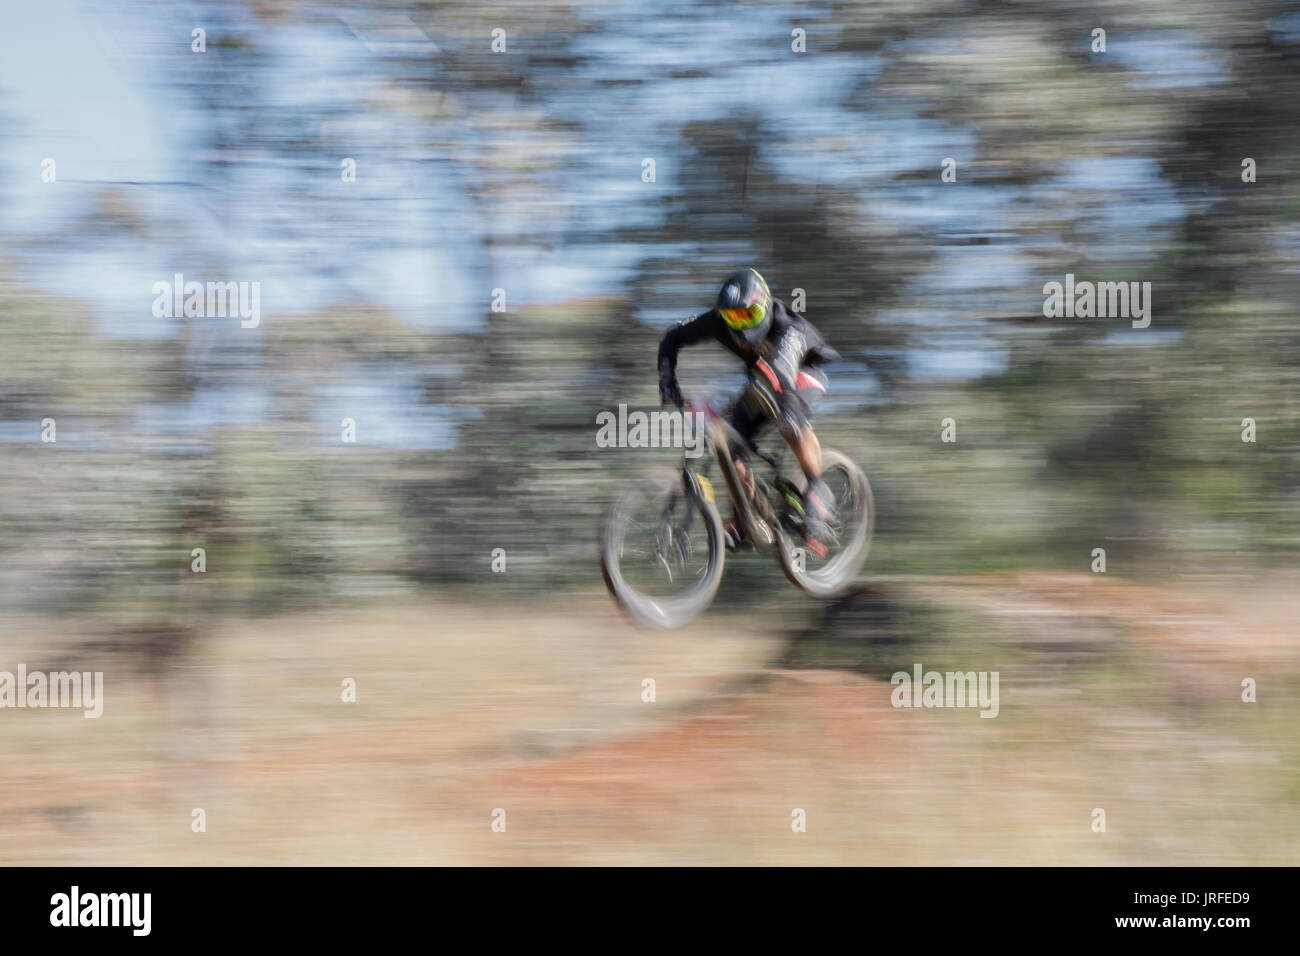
(662, 549)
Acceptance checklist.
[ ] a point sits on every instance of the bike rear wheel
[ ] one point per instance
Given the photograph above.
(662, 550)
(856, 507)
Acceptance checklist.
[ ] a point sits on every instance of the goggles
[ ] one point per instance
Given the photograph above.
(744, 318)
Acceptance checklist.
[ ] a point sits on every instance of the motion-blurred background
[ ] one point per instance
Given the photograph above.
(806, 139)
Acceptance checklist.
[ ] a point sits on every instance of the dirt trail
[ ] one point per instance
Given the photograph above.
(461, 712)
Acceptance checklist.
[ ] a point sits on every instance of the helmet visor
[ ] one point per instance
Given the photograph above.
(744, 318)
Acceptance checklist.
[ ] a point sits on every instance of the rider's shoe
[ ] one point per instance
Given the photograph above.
(819, 512)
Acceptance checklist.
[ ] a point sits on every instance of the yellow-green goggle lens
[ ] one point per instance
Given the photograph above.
(743, 318)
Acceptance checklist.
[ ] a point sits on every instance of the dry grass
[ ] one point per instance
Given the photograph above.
(538, 711)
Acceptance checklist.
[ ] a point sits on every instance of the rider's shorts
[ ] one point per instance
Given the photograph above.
(759, 403)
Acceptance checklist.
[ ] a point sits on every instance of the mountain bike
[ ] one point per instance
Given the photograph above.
(663, 545)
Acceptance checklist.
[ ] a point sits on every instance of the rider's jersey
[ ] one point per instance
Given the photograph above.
(791, 342)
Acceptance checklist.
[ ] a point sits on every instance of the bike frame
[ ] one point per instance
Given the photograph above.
(721, 436)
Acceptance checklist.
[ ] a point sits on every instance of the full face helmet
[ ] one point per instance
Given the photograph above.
(745, 304)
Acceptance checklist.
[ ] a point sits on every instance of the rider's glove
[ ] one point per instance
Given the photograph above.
(668, 390)
(670, 393)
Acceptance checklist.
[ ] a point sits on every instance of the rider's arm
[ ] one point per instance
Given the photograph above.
(816, 349)
(687, 332)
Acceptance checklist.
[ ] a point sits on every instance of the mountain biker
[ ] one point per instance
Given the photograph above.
(783, 354)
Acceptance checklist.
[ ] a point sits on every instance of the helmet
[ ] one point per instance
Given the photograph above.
(745, 304)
